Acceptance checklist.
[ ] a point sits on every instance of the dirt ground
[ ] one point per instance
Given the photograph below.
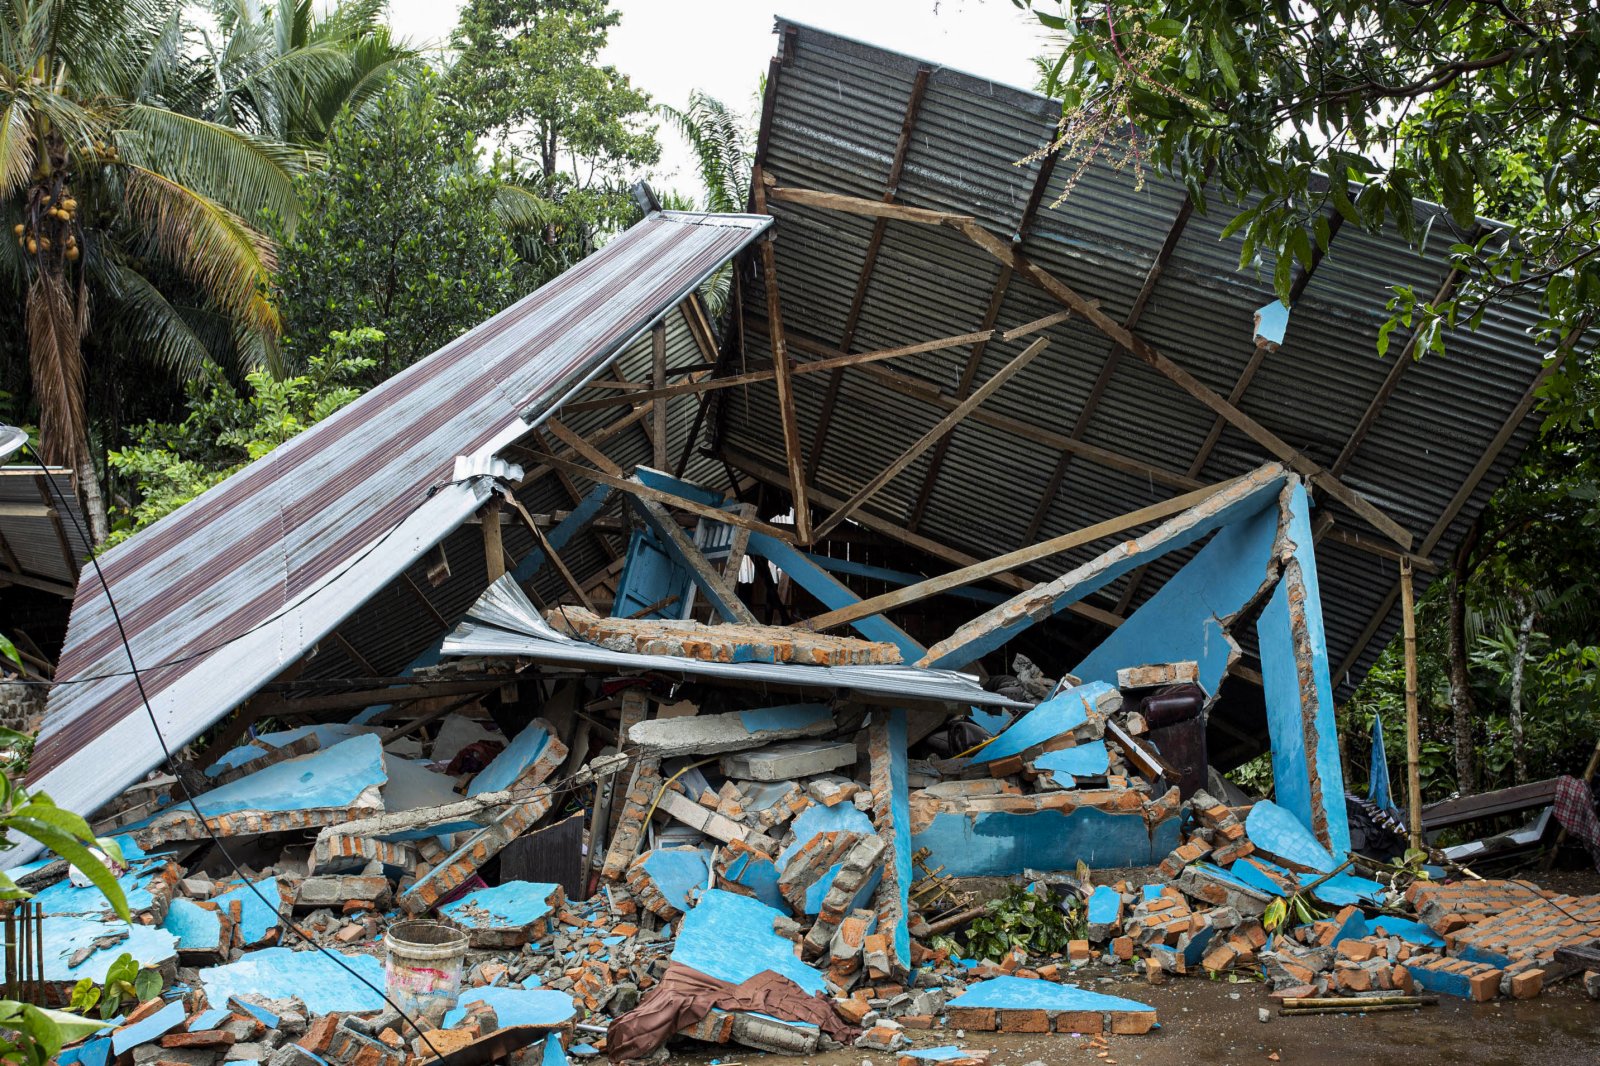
(1211, 1022)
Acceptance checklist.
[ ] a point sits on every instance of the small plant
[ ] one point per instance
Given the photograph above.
(1037, 922)
(125, 983)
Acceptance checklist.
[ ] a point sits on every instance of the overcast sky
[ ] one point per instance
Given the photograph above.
(669, 47)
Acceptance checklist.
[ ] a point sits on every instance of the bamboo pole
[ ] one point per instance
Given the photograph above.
(1408, 620)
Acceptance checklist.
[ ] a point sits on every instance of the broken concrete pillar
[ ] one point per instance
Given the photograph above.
(635, 806)
(886, 749)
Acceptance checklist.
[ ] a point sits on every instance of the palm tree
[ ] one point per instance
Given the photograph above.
(724, 151)
(285, 73)
(114, 191)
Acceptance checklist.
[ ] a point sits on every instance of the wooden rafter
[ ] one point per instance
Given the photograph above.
(932, 436)
(658, 407)
(634, 488)
(1012, 560)
(847, 336)
(787, 416)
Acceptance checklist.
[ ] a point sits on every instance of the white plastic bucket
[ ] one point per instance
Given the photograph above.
(422, 972)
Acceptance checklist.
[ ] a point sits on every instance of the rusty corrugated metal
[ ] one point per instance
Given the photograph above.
(226, 592)
(839, 110)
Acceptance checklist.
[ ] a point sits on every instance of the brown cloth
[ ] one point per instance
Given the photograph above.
(686, 995)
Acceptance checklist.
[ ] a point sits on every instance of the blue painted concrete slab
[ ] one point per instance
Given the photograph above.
(1279, 832)
(516, 1006)
(1406, 929)
(1085, 760)
(1253, 876)
(1105, 905)
(1059, 714)
(1378, 790)
(64, 898)
(257, 919)
(900, 820)
(1195, 949)
(95, 1051)
(322, 984)
(1440, 982)
(554, 1053)
(730, 937)
(1179, 623)
(327, 737)
(154, 1027)
(503, 772)
(944, 1053)
(1344, 889)
(330, 778)
(1003, 844)
(787, 716)
(510, 905)
(265, 1016)
(65, 936)
(1031, 993)
(759, 876)
(679, 873)
(197, 928)
(208, 1019)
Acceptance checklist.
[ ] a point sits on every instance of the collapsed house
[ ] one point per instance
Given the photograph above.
(534, 638)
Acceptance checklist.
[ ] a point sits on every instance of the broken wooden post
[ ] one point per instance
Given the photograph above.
(658, 407)
(1408, 620)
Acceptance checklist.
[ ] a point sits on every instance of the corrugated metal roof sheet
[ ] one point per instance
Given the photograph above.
(36, 540)
(838, 113)
(222, 595)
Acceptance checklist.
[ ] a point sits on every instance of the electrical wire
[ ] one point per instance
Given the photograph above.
(188, 796)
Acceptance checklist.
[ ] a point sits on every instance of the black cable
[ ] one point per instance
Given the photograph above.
(172, 768)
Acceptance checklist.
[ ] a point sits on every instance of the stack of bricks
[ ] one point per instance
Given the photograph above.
(1192, 850)
(1161, 920)
(1221, 829)
(1476, 981)
(859, 864)
(811, 863)
(636, 803)
(1509, 925)
(720, 643)
(1363, 965)
(1238, 948)
(461, 865)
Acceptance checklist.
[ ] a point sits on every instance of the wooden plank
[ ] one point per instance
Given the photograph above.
(933, 435)
(740, 545)
(427, 604)
(494, 551)
(1036, 325)
(856, 205)
(1013, 559)
(658, 407)
(552, 556)
(1186, 381)
(786, 412)
(634, 488)
(706, 577)
(1465, 809)
(43, 484)
(835, 361)
(43, 584)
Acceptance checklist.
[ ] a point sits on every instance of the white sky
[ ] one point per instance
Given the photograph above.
(669, 47)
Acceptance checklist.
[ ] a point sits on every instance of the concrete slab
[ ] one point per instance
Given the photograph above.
(667, 879)
(506, 916)
(1004, 844)
(1282, 835)
(258, 921)
(1085, 760)
(789, 760)
(140, 886)
(712, 734)
(516, 1006)
(154, 1027)
(1056, 716)
(731, 938)
(321, 983)
(323, 788)
(533, 755)
(1031, 993)
(64, 937)
(198, 929)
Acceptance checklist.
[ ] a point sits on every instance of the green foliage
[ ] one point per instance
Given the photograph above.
(1299, 113)
(32, 1036)
(127, 984)
(1032, 921)
(724, 149)
(170, 464)
(528, 75)
(401, 232)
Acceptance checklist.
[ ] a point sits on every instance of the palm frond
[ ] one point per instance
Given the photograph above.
(247, 174)
(721, 148)
(207, 243)
(519, 207)
(16, 145)
(151, 325)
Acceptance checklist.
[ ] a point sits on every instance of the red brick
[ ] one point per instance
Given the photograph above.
(1080, 1021)
(1527, 984)
(1023, 1021)
(979, 1019)
(1132, 1022)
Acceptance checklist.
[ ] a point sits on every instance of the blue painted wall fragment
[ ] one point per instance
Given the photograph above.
(787, 716)
(814, 821)
(1272, 322)
(1406, 929)
(649, 576)
(1184, 619)
(760, 876)
(1032, 993)
(1279, 832)
(197, 928)
(1105, 905)
(900, 815)
(257, 919)
(334, 777)
(516, 1006)
(154, 1027)
(1085, 760)
(510, 905)
(1308, 777)
(503, 772)
(730, 937)
(65, 936)
(679, 873)
(64, 898)
(1061, 713)
(1003, 844)
(319, 982)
